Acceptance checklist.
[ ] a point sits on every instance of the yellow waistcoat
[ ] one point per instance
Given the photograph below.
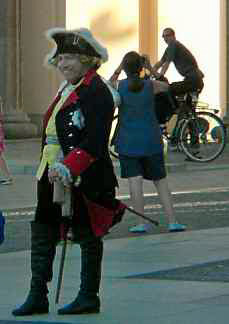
(52, 151)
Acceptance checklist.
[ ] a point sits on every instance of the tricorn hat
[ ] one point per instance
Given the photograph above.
(77, 41)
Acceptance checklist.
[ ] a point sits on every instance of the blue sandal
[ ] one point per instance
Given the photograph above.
(176, 227)
(141, 228)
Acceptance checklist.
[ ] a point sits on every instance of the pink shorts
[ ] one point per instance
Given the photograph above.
(2, 145)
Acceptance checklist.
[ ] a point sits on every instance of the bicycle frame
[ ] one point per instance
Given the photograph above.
(198, 132)
(187, 109)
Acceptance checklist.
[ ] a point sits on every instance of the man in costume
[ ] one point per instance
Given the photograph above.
(74, 152)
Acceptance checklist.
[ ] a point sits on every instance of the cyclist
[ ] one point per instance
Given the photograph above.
(185, 63)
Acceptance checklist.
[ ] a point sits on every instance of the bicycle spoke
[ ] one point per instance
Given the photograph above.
(203, 138)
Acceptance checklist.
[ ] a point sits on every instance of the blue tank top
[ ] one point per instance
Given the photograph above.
(139, 132)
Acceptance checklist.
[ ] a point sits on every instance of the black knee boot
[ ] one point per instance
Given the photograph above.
(87, 300)
(43, 248)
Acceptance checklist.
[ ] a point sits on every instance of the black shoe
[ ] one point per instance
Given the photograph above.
(32, 305)
(81, 305)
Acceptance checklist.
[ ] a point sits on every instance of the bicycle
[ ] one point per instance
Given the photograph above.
(198, 131)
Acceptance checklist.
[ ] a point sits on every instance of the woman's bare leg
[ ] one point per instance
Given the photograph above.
(166, 199)
(4, 167)
(136, 193)
(137, 199)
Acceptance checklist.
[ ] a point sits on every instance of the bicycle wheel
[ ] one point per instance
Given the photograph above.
(203, 137)
(175, 137)
(111, 144)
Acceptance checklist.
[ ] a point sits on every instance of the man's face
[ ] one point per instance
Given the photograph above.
(168, 36)
(70, 66)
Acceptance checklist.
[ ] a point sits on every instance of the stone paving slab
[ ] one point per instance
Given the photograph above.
(32, 322)
(132, 300)
(210, 271)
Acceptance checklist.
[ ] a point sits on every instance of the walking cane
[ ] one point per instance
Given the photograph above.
(154, 222)
(62, 260)
(62, 196)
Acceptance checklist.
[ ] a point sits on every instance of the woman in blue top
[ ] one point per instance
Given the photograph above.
(138, 141)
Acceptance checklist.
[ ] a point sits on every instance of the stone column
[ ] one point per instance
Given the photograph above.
(148, 28)
(16, 122)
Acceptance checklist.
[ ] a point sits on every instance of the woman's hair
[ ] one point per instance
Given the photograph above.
(132, 65)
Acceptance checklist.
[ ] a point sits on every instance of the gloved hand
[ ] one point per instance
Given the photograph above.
(59, 172)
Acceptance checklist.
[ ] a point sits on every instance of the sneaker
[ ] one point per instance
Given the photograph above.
(176, 227)
(141, 228)
(6, 181)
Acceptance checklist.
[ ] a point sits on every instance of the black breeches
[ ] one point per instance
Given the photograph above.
(46, 212)
(49, 213)
(187, 85)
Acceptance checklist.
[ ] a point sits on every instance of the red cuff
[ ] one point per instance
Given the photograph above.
(78, 161)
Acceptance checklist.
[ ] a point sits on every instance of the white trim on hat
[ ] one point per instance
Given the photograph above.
(82, 32)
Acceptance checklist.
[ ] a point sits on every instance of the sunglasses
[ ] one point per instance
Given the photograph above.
(166, 35)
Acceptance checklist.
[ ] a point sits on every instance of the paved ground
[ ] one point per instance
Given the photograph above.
(142, 281)
(127, 298)
(23, 157)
